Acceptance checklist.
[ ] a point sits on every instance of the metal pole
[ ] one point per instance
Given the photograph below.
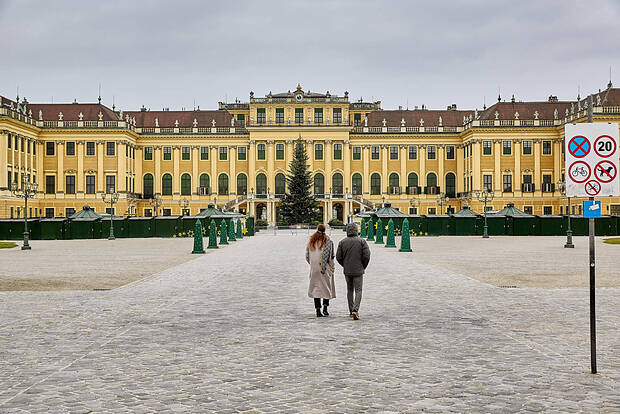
(111, 237)
(485, 235)
(26, 246)
(592, 274)
(569, 233)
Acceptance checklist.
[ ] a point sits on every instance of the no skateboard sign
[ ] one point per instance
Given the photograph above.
(591, 160)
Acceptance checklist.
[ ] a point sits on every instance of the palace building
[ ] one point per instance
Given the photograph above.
(422, 161)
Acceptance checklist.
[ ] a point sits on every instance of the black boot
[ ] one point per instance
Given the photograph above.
(318, 313)
(317, 306)
(325, 313)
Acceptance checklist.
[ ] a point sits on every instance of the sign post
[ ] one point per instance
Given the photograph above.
(592, 171)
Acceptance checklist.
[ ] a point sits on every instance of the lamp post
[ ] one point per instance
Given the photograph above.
(415, 203)
(27, 190)
(183, 204)
(485, 196)
(156, 202)
(569, 233)
(440, 200)
(113, 198)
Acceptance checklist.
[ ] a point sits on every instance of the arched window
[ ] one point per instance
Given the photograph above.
(242, 184)
(261, 184)
(280, 184)
(356, 183)
(204, 184)
(147, 187)
(166, 184)
(394, 180)
(319, 184)
(450, 185)
(337, 184)
(431, 180)
(375, 184)
(222, 184)
(186, 184)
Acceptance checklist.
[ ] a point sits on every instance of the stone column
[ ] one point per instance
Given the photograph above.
(121, 167)
(384, 169)
(40, 175)
(13, 165)
(289, 151)
(138, 170)
(497, 167)
(476, 165)
(232, 182)
(60, 168)
(516, 175)
(441, 179)
(366, 169)
(347, 165)
(310, 149)
(213, 157)
(403, 170)
(157, 173)
(557, 159)
(328, 166)
(20, 155)
(195, 174)
(100, 170)
(460, 169)
(4, 180)
(252, 170)
(176, 172)
(80, 167)
(270, 165)
(422, 158)
(537, 180)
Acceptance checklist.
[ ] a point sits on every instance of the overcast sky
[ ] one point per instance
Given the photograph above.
(170, 53)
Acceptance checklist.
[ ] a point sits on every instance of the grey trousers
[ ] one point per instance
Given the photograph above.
(354, 283)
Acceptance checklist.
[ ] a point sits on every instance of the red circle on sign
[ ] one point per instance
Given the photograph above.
(579, 147)
(612, 151)
(605, 171)
(593, 188)
(578, 175)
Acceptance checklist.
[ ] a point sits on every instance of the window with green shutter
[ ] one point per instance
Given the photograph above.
(318, 151)
(279, 151)
(241, 153)
(260, 115)
(337, 151)
(279, 115)
(204, 153)
(299, 115)
(185, 153)
(260, 151)
(318, 115)
(357, 153)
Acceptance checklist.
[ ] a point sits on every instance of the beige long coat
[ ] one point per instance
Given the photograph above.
(321, 285)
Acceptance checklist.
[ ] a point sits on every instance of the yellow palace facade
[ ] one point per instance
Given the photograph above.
(178, 162)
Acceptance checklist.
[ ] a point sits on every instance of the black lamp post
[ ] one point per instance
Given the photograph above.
(27, 190)
(113, 198)
(485, 196)
(183, 204)
(569, 233)
(156, 202)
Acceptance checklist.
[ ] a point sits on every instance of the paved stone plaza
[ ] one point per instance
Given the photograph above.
(233, 331)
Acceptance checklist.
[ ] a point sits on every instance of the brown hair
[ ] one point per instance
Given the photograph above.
(318, 239)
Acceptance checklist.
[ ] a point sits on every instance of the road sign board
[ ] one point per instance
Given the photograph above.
(592, 208)
(592, 159)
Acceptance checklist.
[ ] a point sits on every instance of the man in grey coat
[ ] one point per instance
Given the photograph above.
(353, 255)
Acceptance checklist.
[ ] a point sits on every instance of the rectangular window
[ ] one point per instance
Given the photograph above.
(242, 153)
(374, 152)
(450, 152)
(413, 152)
(547, 210)
(260, 115)
(148, 212)
(109, 210)
(260, 151)
(223, 153)
(527, 209)
(126, 150)
(22, 148)
(506, 147)
(431, 152)
(90, 148)
(279, 151)
(167, 153)
(337, 151)
(69, 211)
(49, 212)
(507, 183)
(50, 184)
(546, 147)
(431, 211)
(166, 211)
(49, 149)
(337, 115)
(110, 184)
(487, 148)
(299, 115)
(148, 153)
(393, 153)
(318, 151)
(28, 147)
(9, 140)
(357, 119)
(527, 147)
(318, 115)
(185, 153)
(70, 148)
(90, 184)
(241, 120)
(34, 148)
(204, 153)
(110, 148)
(357, 153)
(279, 115)
(487, 180)
(70, 184)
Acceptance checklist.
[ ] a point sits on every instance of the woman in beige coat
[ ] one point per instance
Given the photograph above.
(320, 256)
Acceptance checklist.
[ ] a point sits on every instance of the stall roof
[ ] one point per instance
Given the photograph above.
(465, 212)
(512, 211)
(86, 213)
(388, 211)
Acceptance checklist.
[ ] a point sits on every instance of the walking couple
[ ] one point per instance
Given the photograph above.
(353, 255)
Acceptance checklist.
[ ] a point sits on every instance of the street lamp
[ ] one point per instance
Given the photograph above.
(183, 204)
(440, 200)
(569, 233)
(156, 202)
(27, 190)
(485, 196)
(113, 198)
(415, 203)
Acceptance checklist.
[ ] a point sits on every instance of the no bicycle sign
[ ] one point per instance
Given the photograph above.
(591, 160)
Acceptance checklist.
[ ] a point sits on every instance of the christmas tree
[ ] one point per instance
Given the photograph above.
(298, 205)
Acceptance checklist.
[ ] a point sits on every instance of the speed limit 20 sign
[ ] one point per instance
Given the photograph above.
(591, 160)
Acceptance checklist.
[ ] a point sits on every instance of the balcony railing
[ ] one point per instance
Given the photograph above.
(527, 187)
(393, 190)
(413, 190)
(432, 190)
(548, 187)
(204, 191)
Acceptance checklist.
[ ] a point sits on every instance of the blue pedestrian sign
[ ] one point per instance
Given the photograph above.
(592, 208)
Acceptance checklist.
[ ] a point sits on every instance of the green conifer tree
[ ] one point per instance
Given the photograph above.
(298, 205)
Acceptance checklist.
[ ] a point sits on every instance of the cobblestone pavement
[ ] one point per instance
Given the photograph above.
(233, 331)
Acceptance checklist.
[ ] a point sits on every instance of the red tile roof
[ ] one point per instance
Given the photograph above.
(71, 112)
(412, 117)
(146, 119)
